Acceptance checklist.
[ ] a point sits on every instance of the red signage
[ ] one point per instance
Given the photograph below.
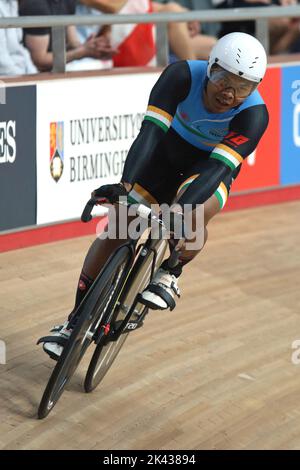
(262, 168)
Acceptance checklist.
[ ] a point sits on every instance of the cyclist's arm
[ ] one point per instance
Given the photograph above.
(106, 6)
(245, 131)
(171, 88)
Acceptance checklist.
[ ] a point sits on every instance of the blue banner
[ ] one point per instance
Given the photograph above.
(290, 126)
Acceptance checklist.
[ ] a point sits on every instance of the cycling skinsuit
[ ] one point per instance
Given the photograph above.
(182, 145)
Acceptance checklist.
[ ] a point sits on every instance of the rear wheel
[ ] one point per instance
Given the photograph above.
(102, 360)
(97, 302)
(108, 349)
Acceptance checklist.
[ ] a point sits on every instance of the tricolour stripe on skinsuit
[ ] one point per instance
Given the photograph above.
(227, 155)
(222, 195)
(187, 182)
(141, 196)
(159, 117)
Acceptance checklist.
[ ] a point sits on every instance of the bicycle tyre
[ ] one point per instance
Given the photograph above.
(90, 316)
(106, 351)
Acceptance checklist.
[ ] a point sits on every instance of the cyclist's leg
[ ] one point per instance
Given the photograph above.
(100, 251)
(211, 208)
(163, 289)
(149, 188)
(98, 254)
(153, 178)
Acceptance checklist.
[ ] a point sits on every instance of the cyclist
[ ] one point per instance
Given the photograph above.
(203, 119)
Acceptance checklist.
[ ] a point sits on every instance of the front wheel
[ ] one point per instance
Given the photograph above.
(96, 303)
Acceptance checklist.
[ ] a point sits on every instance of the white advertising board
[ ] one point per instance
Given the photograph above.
(84, 130)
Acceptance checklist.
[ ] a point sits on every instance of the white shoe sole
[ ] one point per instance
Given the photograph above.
(153, 301)
(53, 350)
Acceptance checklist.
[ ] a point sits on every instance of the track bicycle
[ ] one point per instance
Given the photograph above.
(111, 309)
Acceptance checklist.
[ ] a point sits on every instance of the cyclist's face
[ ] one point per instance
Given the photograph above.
(226, 90)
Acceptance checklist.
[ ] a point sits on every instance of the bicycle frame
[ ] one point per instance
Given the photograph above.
(133, 271)
(151, 246)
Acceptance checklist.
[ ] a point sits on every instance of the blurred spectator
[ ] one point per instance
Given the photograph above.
(106, 6)
(242, 26)
(14, 58)
(39, 40)
(185, 39)
(85, 32)
(134, 43)
(211, 29)
(283, 32)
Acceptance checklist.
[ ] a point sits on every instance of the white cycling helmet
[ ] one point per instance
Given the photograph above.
(241, 54)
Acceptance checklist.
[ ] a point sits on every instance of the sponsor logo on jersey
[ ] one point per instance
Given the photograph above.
(184, 116)
(235, 139)
(216, 133)
(219, 133)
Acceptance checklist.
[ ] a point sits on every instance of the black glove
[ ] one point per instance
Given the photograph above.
(110, 192)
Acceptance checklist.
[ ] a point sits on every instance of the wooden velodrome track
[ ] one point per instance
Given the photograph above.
(214, 374)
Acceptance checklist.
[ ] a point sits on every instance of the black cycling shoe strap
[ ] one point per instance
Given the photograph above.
(53, 339)
(163, 294)
(55, 329)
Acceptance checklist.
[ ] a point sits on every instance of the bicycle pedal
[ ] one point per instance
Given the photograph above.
(150, 305)
(52, 356)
